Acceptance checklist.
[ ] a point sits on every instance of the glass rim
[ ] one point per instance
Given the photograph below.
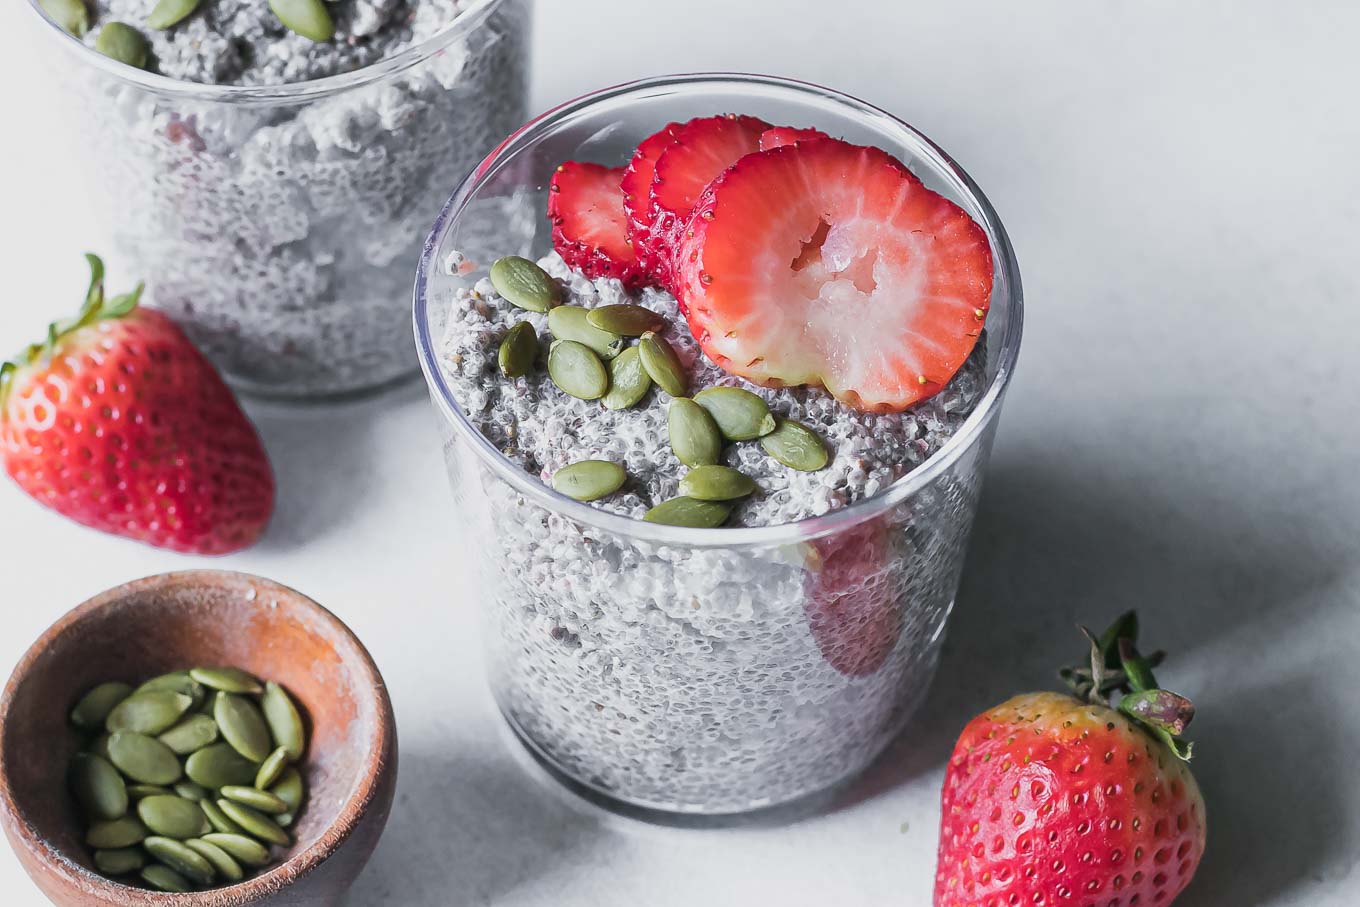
(290, 92)
(967, 435)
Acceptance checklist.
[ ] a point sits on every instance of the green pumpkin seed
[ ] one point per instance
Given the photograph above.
(285, 724)
(308, 18)
(191, 791)
(123, 43)
(228, 680)
(175, 682)
(221, 861)
(184, 860)
(191, 734)
(218, 819)
(628, 380)
(689, 512)
(662, 364)
(218, 765)
(289, 789)
(93, 708)
(524, 284)
(576, 370)
(242, 726)
(119, 861)
(115, 834)
(254, 822)
(97, 786)
(716, 483)
(571, 322)
(796, 446)
(99, 746)
(144, 758)
(168, 12)
(589, 480)
(625, 319)
(260, 800)
(694, 435)
(518, 351)
(148, 713)
(173, 817)
(283, 820)
(163, 878)
(740, 414)
(272, 768)
(138, 791)
(71, 15)
(247, 850)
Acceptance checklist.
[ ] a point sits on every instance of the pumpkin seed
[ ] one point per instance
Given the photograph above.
(123, 43)
(272, 768)
(285, 724)
(97, 786)
(168, 12)
(174, 682)
(518, 351)
(191, 734)
(71, 15)
(625, 319)
(148, 713)
(115, 834)
(740, 414)
(144, 758)
(662, 364)
(628, 380)
(689, 512)
(289, 789)
(589, 480)
(283, 820)
(191, 791)
(693, 433)
(218, 765)
(524, 284)
(716, 483)
(173, 817)
(247, 850)
(308, 18)
(576, 370)
(99, 746)
(261, 800)
(243, 727)
(93, 708)
(119, 861)
(138, 791)
(218, 819)
(796, 446)
(256, 823)
(184, 860)
(163, 878)
(228, 680)
(571, 322)
(221, 861)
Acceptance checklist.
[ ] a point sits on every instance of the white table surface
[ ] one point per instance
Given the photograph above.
(1181, 184)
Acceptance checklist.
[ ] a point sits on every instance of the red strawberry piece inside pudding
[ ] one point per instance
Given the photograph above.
(637, 201)
(589, 226)
(780, 136)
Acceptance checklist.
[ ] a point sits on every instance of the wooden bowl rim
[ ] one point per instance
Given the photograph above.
(376, 762)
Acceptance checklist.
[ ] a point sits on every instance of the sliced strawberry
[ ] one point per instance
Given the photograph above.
(780, 136)
(637, 201)
(590, 230)
(852, 607)
(699, 152)
(825, 263)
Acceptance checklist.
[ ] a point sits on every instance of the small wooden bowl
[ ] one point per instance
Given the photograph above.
(180, 620)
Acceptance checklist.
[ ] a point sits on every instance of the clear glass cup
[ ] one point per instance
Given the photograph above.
(279, 224)
(702, 671)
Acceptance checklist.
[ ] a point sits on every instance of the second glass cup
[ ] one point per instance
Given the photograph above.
(702, 671)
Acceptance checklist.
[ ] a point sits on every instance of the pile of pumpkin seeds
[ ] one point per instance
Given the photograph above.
(590, 358)
(126, 44)
(189, 777)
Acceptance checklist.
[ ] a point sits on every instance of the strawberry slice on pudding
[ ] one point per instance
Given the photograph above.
(589, 226)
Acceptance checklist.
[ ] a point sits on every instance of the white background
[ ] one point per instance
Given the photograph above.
(1181, 184)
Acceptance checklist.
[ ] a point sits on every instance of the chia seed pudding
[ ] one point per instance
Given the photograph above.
(277, 218)
(706, 679)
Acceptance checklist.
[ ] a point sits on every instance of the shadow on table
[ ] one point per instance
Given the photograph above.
(467, 832)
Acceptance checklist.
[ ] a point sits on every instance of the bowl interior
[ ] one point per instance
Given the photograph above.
(179, 621)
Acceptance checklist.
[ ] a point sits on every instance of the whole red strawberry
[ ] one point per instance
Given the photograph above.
(1052, 799)
(119, 423)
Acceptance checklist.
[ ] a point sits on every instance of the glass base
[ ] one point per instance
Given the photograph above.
(276, 394)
